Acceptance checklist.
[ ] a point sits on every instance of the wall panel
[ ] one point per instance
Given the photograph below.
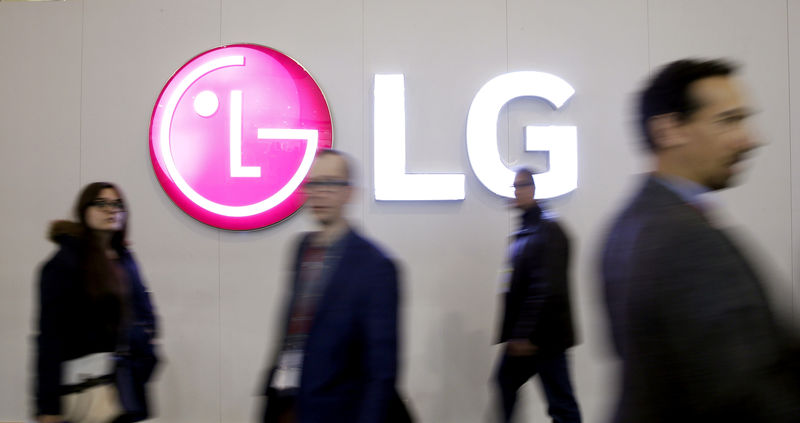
(130, 50)
(325, 38)
(793, 19)
(40, 106)
(753, 34)
(446, 53)
(584, 42)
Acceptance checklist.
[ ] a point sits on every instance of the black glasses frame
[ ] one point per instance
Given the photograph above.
(325, 184)
(102, 204)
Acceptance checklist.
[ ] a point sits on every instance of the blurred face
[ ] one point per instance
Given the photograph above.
(716, 136)
(327, 189)
(523, 191)
(106, 212)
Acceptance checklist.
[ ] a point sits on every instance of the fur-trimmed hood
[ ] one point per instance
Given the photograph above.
(61, 229)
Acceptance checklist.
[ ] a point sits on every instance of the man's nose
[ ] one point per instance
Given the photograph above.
(749, 142)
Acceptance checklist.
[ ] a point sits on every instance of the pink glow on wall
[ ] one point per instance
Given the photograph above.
(233, 135)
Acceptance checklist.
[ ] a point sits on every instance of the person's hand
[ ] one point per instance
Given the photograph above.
(49, 418)
(521, 348)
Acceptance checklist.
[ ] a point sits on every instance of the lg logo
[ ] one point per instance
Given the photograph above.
(233, 135)
(235, 130)
(561, 142)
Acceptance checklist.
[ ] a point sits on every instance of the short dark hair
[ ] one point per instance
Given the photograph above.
(345, 158)
(524, 170)
(668, 90)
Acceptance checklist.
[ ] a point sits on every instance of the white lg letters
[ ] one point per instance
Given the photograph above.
(391, 180)
(560, 141)
(393, 183)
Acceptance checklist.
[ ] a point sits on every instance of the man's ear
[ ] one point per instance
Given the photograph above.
(666, 131)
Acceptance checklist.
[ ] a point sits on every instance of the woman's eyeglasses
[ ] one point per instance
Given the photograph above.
(103, 204)
(324, 185)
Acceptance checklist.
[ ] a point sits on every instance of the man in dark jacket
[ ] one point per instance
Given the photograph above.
(337, 359)
(689, 317)
(537, 321)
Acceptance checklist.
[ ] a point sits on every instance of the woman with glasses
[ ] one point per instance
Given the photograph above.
(94, 350)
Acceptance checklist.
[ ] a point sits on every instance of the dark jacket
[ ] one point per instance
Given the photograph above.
(350, 355)
(537, 304)
(72, 325)
(690, 320)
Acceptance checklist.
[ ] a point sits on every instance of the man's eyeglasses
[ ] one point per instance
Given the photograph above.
(325, 185)
(522, 185)
(102, 204)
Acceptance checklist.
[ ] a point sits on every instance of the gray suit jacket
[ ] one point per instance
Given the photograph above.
(690, 321)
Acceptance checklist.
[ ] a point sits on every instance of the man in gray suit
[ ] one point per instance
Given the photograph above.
(689, 316)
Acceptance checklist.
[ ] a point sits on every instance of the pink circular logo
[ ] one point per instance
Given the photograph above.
(233, 135)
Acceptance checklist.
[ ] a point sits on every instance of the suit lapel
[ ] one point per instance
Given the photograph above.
(656, 194)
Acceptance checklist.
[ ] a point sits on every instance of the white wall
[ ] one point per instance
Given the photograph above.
(78, 80)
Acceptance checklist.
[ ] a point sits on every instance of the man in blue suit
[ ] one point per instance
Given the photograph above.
(337, 361)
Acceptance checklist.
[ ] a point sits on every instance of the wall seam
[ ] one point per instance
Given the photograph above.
(219, 284)
(791, 170)
(219, 325)
(649, 49)
(366, 193)
(80, 107)
(508, 119)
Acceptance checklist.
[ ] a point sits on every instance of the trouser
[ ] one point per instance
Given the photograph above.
(551, 367)
(280, 409)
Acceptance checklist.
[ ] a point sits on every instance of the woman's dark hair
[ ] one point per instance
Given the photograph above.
(90, 193)
(101, 279)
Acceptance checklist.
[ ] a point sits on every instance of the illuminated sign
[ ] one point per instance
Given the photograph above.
(233, 134)
(560, 142)
(391, 180)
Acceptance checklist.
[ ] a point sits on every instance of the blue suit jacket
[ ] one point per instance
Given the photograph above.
(350, 356)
